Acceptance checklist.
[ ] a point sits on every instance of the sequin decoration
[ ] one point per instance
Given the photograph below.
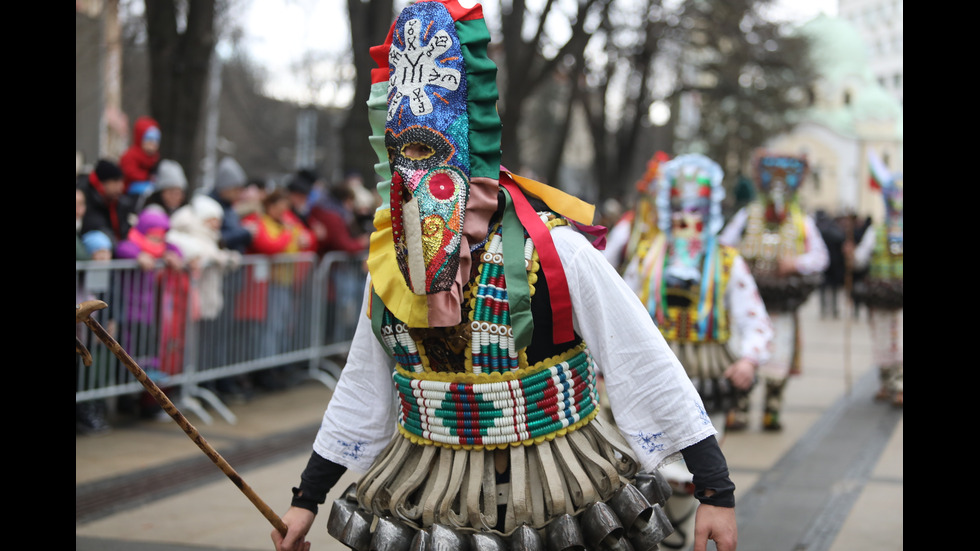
(426, 135)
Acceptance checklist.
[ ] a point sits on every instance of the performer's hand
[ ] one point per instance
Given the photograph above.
(787, 266)
(741, 374)
(716, 524)
(298, 522)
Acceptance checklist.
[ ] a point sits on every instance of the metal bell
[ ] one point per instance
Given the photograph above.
(601, 526)
(526, 538)
(646, 535)
(487, 541)
(421, 541)
(391, 535)
(340, 513)
(564, 534)
(357, 531)
(444, 538)
(654, 487)
(630, 505)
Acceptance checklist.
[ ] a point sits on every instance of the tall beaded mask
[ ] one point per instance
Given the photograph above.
(437, 134)
(778, 178)
(689, 210)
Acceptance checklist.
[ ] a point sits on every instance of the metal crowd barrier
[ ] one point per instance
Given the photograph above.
(186, 328)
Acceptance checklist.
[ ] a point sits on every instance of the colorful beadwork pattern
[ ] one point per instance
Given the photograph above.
(517, 410)
(499, 399)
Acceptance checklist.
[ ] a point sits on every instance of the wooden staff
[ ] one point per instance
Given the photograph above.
(83, 313)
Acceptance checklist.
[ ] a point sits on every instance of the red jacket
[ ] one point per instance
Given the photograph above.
(136, 165)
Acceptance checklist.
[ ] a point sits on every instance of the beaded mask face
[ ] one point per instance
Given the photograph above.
(426, 133)
(689, 202)
(779, 178)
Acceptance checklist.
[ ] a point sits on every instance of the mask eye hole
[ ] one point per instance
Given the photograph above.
(417, 151)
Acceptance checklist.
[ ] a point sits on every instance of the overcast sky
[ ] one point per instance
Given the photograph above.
(280, 32)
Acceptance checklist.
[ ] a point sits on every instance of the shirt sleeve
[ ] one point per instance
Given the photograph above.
(360, 419)
(750, 320)
(816, 258)
(653, 401)
(731, 234)
(862, 253)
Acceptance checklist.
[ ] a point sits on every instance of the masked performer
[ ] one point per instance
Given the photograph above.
(787, 257)
(468, 400)
(881, 250)
(699, 292)
(635, 230)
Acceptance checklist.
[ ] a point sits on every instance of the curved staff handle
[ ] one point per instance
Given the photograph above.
(83, 313)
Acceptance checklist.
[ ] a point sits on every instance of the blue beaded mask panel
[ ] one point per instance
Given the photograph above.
(427, 138)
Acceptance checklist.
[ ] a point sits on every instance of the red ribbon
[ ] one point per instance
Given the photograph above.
(561, 300)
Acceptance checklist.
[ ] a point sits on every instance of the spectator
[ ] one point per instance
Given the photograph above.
(267, 295)
(90, 415)
(195, 230)
(138, 161)
(107, 208)
(229, 183)
(332, 220)
(250, 199)
(833, 277)
(169, 191)
(80, 252)
(154, 315)
(859, 275)
(98, 245)
(298, 189)
(366, 201)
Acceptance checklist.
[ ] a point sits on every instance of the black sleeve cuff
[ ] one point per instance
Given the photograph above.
(317, 479)
(710, 470)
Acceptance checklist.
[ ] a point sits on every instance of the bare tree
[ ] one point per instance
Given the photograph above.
(529, 61)
(618, 92)
(181, 39)
(369, 24)
(748, 76)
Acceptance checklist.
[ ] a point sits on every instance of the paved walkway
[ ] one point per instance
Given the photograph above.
(832, 480)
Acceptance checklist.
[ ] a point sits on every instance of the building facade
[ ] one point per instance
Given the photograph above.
(851, 116)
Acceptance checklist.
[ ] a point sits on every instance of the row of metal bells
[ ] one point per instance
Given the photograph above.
(632, 520)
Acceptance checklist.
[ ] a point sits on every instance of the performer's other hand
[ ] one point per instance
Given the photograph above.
(716, 524)
(787, 266)
(741, 374)
(298, 522)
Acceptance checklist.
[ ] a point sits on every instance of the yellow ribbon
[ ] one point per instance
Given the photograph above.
(564, 204)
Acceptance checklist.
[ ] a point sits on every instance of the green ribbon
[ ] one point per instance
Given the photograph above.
(515, 275)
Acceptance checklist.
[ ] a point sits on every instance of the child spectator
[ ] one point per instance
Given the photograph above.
(195, 230)
(138, 161)
(155, 299)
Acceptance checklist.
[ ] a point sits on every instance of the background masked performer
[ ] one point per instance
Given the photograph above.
(882, 251)
(787, 257)
(699, 292)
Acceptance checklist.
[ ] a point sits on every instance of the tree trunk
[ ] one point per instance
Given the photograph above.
(369, 24)
(179, 66)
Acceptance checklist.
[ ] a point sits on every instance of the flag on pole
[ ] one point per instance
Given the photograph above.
(880, 175)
